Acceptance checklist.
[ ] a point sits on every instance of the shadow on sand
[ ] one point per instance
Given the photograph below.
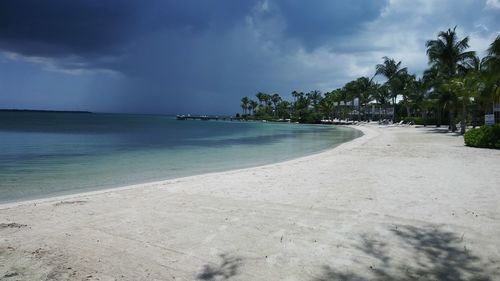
(431, 254)
(227, 268)
(441, 130)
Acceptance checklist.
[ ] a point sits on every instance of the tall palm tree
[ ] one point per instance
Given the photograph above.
(336, 97)
(244, 104)
(327, 104)
(352, 94)
(261, 97)
(314, 98)
(283, 109)
(275, 99)
(409, 88)
(252, 105)
(364, 87)
(492, 60)
(449, 53)
(392, 71)
(300, 104)
(465, 88)
(382, 95)
(432, 80)
(491, 68)
(343, 96)
(449, 56)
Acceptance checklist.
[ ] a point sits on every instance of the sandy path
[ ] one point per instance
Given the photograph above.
(396, 204)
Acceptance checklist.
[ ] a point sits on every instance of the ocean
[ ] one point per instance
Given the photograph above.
(44, 154)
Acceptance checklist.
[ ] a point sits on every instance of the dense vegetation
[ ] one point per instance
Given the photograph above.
(488, 136)
(457, 87)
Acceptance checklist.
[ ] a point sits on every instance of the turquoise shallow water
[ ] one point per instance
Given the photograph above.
(47, 154)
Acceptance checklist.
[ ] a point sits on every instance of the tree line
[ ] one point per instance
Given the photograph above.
(458, 86)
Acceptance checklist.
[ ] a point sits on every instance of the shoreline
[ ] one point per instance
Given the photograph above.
(397, 203)
(151, 184)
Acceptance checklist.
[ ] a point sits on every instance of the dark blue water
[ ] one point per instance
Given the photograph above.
(45, 154)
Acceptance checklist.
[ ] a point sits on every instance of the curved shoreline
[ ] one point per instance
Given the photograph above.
(150, 184)
(401, 200)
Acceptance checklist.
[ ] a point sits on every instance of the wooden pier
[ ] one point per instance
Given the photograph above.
(207, 117)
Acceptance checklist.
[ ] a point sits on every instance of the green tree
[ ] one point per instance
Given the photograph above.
(327, 105)
(244, 104)
(252, 105)
(491, 74)
(261, 97)
(314, 98)
(364, 87)
(465, 88)
(300, 106)
(448, 55)
(382, 95)
(275, 99)
(342, 98)
(432, 81)
(409, 90)
(283, 109)
(392, 71)
(352, 95)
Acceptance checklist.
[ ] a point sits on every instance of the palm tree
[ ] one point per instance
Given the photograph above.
(244, 104)
(392, 71)
(252, 105)
(327, 104)
(465, 88)
(352, 94)
(491, 71)
(432, 81)
(343, 96)
(314, 98)
(300, 104)
(283, 109)
(409, 88)
(261, 97)
(275, 99)
(382, 95)
(448, 53)
(365, 87)
(492, 60)
(449, 56)
(335, 97)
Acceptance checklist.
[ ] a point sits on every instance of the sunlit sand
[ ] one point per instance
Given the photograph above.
(399, 203)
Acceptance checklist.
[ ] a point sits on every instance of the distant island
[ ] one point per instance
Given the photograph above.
(47, 111)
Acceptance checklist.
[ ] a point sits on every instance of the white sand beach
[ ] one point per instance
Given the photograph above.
(399, 203)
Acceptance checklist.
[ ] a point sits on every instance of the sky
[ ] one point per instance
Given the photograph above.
(203, 56)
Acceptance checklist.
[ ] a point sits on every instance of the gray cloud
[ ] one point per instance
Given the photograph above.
(202, 56)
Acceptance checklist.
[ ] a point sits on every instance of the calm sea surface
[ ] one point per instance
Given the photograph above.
(47, 154)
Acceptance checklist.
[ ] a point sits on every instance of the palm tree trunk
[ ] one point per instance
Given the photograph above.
(464, 117)
(393, 110)
(439, 115)
(451, 126)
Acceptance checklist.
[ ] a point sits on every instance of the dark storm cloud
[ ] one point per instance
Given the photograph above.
(61, 27)
(204, 55)
(89, 28)
(92, 28)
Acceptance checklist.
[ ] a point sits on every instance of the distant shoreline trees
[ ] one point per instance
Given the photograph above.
(458, 85)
